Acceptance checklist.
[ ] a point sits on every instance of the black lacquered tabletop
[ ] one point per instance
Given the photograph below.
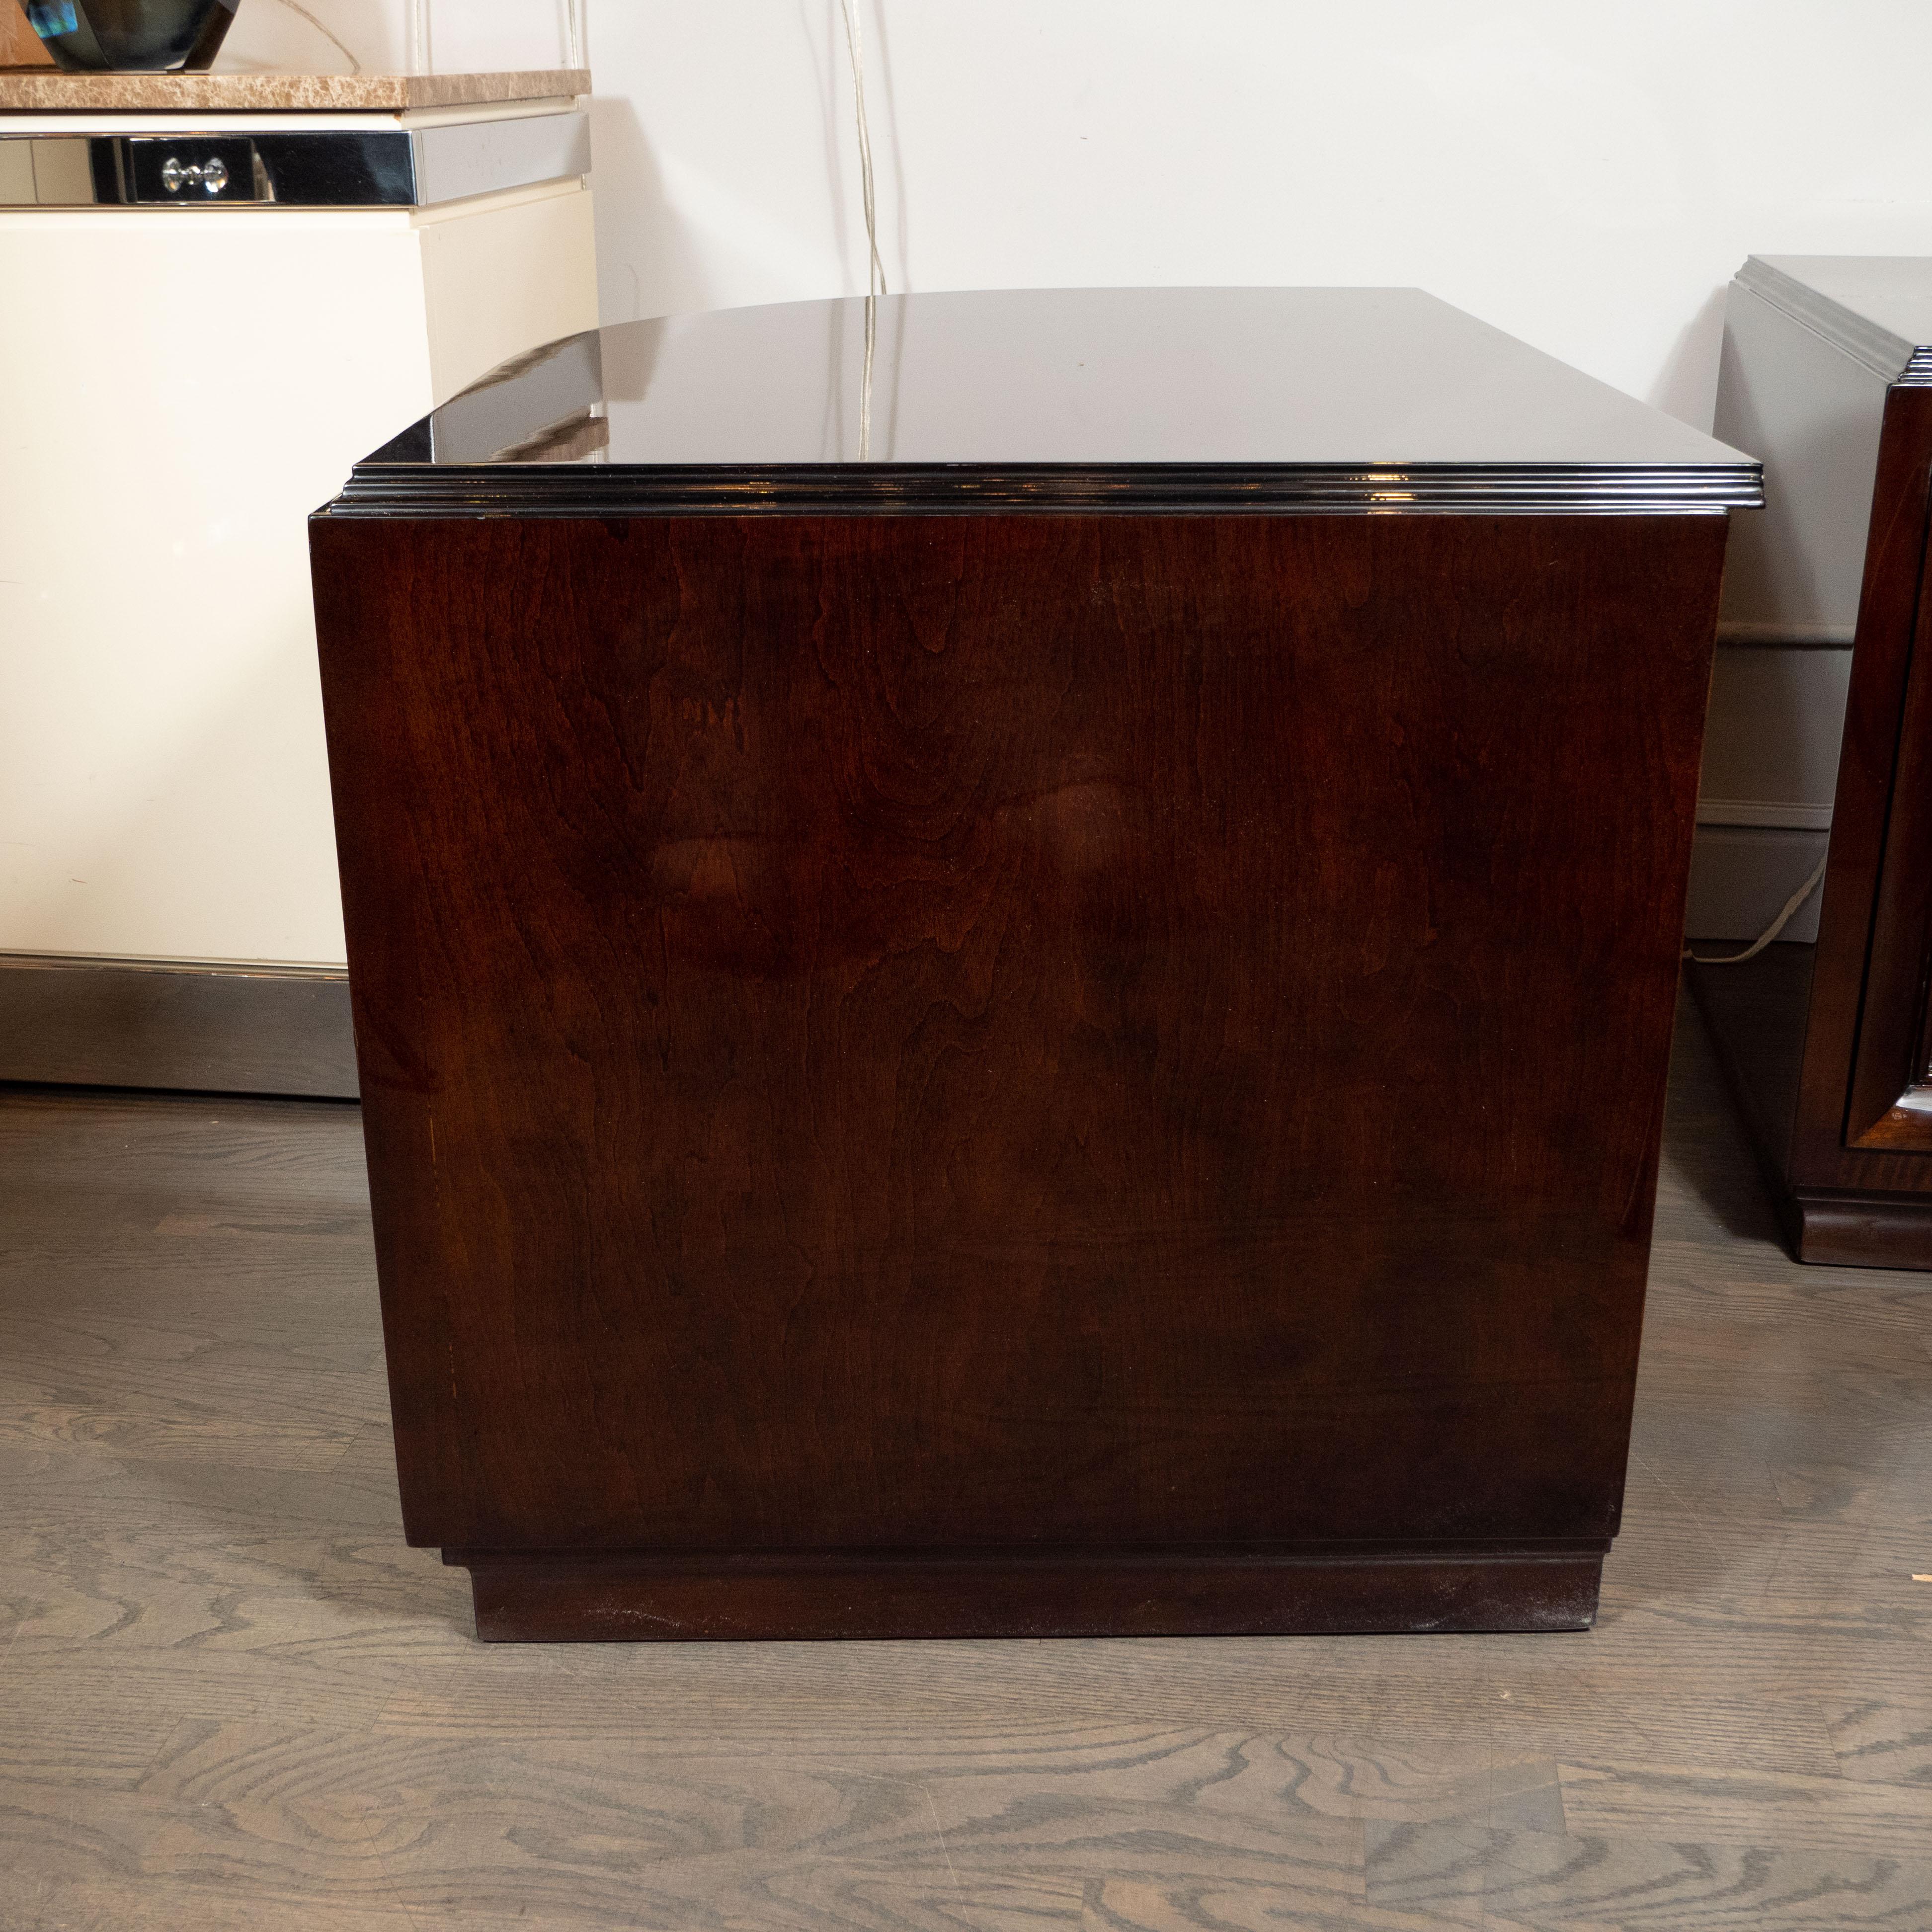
(1055, 394)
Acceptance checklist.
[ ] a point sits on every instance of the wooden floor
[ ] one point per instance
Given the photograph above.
(229, 1697)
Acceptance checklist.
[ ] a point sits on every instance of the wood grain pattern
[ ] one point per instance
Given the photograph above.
(1735, 1806)
(1062, 1033)
(1887, 1743)
(230, 1697)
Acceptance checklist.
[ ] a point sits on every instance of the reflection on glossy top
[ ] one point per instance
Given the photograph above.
(1114, 376)
(1350, 401)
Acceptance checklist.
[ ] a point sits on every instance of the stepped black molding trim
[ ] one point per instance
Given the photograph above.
(68, 1021)
(422, 489)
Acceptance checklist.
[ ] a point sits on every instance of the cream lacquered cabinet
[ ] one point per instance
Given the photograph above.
(215, 296)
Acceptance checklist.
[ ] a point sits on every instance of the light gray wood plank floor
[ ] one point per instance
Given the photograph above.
(230, 1697)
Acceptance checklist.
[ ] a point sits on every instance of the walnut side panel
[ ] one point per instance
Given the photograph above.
(1121, 1031)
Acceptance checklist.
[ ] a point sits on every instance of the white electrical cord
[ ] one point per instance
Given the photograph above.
(855, 49)
(296, 7)
(1771, 932)
(875, 269)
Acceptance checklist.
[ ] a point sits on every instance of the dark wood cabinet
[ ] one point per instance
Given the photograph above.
(1830, 1050)
(1060, 1027)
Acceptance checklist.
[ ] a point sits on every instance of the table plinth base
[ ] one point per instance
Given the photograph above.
(563, 1597)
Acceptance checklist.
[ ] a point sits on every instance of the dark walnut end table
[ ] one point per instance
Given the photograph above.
(1013, 961)
(1827, 368)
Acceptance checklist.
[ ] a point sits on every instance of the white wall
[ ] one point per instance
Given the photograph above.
(465, 36)
(1585, 176)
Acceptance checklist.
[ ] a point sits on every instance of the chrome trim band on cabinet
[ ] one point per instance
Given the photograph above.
(415, 167)
(425, 488)
(466, 158)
